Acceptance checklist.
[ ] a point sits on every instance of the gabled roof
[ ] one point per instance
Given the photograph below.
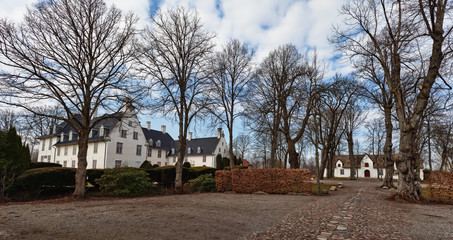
(165, 139)
(207, 145)
(378, 160)
(65, 128)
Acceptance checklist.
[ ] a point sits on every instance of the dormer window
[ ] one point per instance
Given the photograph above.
(101, 131)
(48, 131)
(70, 135)
(173, 151)
(61, 137)
(150, 142)
(130, 124)
(158, 143)
(198, 149)
(189, 150)
(90, 135)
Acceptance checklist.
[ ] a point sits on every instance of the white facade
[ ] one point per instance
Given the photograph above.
(366, 170)
(125, 144)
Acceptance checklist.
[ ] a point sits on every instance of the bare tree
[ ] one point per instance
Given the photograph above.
(353, 118)
(391, 32)
(242, 145)
(173, 55)
(232, 71)
(8, 119)
(69, 53)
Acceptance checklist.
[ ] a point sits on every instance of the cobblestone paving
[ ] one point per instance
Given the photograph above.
(361, 210)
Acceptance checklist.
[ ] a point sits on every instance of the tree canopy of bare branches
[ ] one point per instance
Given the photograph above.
(231, 72)
(69, 53)
(173, 55)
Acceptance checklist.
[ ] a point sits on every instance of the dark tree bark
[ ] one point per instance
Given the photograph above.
(70, 54)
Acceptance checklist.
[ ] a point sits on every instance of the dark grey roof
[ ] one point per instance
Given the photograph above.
(207, 146)
(165, 139)
(65, 128)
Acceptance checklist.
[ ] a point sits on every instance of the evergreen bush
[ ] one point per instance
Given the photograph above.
(186, 165)
(43, 165)
(146, 165)
(125, 182)
(55, 177)
(203, 183)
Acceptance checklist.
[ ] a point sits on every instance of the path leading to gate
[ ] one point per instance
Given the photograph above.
(360, 210)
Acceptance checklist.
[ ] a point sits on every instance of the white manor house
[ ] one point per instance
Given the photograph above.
(368, 166)
(117, 143)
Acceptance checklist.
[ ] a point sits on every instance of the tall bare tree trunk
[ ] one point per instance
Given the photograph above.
(81, 172)
(352, 175)
(388, 158)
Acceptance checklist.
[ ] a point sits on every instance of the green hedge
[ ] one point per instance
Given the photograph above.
(43, 165)
(125, 182)
(93, 174)
(57, 177)
(166, 175)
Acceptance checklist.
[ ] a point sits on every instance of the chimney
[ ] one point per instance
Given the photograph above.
(219, 133)
(164, 129)
(190, 136)
(148, 125)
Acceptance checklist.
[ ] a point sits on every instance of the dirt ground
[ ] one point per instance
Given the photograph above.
(223, 216)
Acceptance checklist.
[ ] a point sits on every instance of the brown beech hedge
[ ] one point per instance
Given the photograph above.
(440, 186)
(266, 180)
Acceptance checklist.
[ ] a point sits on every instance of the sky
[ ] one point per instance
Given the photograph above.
(263, 24)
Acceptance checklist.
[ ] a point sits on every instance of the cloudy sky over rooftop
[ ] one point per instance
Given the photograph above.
(264, 24)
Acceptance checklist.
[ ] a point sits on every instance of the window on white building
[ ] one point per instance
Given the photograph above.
(139, 150)
(43, 146)
(95, 147)
(186, 160)
(58, 162)
(174, 159)
(50, 144)
(74, 150)
(117, 163)
(158, 163)
(94, 164)
(66, 150)
(65, 163)
(159, 153)
(73, 164)
(341, 171)
(166, 163)
(123, 133)
(58, 151)
(42, 158)
(150, 152)
(135, 135)
(119, 147)
(48, 158)
(130, 123)
(204, 158)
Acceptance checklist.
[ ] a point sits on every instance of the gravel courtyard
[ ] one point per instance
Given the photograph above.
(360, 210)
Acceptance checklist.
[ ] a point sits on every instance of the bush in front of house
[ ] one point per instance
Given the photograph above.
(186, 165)
(55, 177)
(93, 174)
(203, 183)
(146, 165)
(125, 182)
(43, 165)
(266, 180)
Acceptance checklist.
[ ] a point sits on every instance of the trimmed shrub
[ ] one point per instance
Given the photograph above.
(146, 165)
(219, 162)
(43, 165)
(155, 165)
(266, 180)
(203, 183)
(223, 181)
(125, 182)
(93, 174)
(440, 186)
(198, 171)
(166, 175)
(56, 177)
(186, 165)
